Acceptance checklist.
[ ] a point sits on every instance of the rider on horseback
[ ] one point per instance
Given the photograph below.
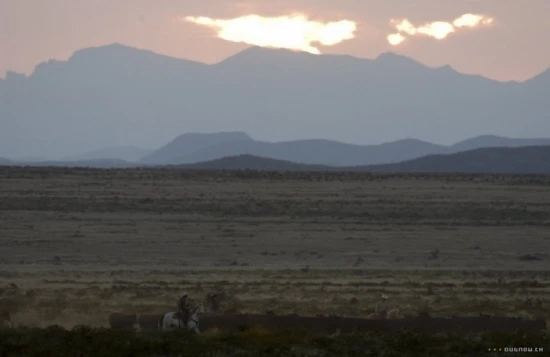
(183, 308)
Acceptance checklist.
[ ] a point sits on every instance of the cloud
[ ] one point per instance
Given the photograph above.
(295, 32)
(437, 29)
(396, 38)
(472, 20)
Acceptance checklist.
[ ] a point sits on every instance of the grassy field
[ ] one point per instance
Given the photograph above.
(78, 244)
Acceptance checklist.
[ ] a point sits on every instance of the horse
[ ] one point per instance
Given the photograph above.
(170, 321)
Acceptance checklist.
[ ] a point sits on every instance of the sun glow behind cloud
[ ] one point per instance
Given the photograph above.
(437, 29)
(395, 39)
(294, 32)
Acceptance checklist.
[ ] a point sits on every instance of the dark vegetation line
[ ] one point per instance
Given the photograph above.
(85, 341)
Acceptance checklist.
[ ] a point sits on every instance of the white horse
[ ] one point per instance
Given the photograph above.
(170, 321)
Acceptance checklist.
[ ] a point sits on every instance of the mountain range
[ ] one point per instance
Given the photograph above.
(494, 160)
(201, 147)
(115, 95)
(500, 160)
(191, 148)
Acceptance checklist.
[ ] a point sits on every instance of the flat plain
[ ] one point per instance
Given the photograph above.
(77, 244)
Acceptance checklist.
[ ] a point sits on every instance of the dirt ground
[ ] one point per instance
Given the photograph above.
(78, 244)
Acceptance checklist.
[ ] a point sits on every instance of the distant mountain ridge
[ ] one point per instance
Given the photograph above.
(486, 141)
(315, 151)
(118, 95)
(251, 162)
(191, 148)
(95, 163)
(496, 160)
(200, 147)
(517, 160)
(4, 161)
(189, 143)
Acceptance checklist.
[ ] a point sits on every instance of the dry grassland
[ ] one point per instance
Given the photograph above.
(78, 244)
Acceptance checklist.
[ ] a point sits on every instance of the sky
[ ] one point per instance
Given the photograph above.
(511, 45)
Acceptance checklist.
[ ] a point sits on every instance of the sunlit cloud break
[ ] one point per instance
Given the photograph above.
(437, 29)
(395, 39)
(294, 32)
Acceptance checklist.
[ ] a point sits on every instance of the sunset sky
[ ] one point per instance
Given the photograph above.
(509, 43)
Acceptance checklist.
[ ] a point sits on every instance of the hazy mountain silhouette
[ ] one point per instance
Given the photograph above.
(204, 147)
(539, 83)
(316, 151)
(251, 162)
(4, 161)
(518, 160)
(29, 159)
(98, 163)
(503, 160)
(189, 143)
(496, 141)
(125, 153)
(116, 95)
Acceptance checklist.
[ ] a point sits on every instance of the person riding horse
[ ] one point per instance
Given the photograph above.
(184, 308)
